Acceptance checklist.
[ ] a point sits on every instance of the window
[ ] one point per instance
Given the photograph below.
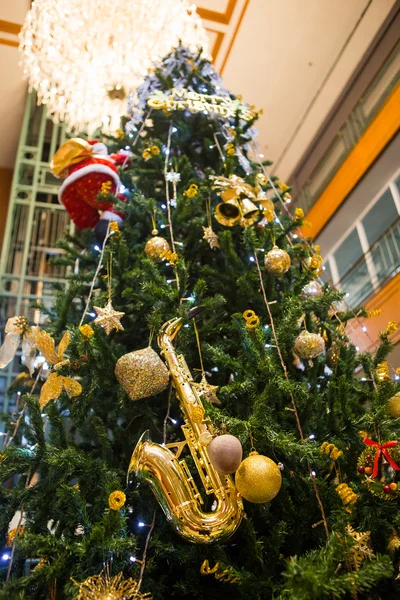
(370, 251)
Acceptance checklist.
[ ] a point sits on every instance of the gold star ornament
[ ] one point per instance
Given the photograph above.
(108, 318)
(207, 391)
(211, 237)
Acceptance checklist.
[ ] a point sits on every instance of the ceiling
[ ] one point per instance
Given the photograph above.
(292, 58)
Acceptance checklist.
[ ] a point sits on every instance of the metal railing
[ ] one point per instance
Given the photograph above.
(377, 265)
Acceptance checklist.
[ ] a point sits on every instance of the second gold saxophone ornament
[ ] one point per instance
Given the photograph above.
(170, 478)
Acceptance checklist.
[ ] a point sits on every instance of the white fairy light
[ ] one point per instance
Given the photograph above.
(85, 58)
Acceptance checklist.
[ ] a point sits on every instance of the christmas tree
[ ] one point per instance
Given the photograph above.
(196, 315)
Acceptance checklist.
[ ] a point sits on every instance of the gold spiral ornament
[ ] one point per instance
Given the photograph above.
(170, 478)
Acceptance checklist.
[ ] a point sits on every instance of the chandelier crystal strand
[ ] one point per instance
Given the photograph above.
(85, 58)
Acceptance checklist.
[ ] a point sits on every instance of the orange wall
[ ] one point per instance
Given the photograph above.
(5, 186)
(388, 300)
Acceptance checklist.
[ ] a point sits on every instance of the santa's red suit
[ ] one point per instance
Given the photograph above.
(86, 166)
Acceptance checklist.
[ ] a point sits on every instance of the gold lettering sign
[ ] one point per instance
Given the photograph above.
(194, 102)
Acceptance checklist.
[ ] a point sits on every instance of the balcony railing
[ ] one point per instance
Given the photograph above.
(377, 265)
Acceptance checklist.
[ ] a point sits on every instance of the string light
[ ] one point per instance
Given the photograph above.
(85, 59)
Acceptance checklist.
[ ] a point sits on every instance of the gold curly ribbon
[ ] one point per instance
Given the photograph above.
(252, 321)
(347, 496)
(221, 572)
(331, 450)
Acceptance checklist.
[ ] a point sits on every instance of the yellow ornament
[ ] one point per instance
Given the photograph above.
(155, 150)
(252, 321)
(393, 406)
(106, 187)
(277, 261)
(258, 479)
(382, 372)
(114, 228)
(299, 214)
(346, 494)
(230, 150)
(309, 345)
(171, 257)
(222, 573)
(331, 450)
(192, 190)
(269, 215)
(282, 186)
(333, 354)
(155, 248)
(146, 154)
(391, 328)
(116, 500)
(261, 178)
(86, 331)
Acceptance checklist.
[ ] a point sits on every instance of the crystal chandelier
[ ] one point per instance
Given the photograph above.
(84, 58)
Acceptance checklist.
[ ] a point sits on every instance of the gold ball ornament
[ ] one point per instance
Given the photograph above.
(258, 479)
(312, 290)
(142, 373)
(225, 453)
(155, 248)
(309, 345)
(277, 261)
(393, 406)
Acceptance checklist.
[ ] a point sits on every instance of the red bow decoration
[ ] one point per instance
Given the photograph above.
(382, 449)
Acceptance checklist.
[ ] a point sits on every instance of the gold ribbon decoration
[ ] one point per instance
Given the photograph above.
(14, 329)
(233, 187)
(70, 153)
(55, 384)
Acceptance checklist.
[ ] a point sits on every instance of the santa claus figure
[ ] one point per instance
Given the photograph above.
(87, 170)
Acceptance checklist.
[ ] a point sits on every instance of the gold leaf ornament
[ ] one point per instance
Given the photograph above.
(55, 383)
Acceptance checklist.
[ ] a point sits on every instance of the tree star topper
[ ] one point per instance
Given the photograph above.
(108, 318)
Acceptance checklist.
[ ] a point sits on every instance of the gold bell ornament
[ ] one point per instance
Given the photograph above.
(225, 453)
(393, 406)
(237, 212)
(142, 373)
(277, 261)
(237, 207)
(309, 345)
(258, 479)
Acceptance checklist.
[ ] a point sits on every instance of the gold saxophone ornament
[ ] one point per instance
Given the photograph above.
(170, 478)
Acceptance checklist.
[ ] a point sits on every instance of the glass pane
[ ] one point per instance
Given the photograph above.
(348, 253)
(397, 182)
(386, 254)
(380, 217)
(357, 284)
(326, 276)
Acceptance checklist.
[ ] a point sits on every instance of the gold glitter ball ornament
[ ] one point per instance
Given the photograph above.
(155, 248)
(142, 373)
(225, 453)
(312, 290)
(258, 479)
(393, 406)
(309, 345)
(277, 261)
